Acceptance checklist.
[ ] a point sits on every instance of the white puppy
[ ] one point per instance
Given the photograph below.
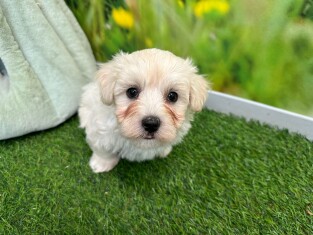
(139, 106)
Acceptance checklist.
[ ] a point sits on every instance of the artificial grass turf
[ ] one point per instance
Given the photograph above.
(227, 177)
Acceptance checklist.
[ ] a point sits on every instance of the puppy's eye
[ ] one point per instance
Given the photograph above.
(172, 97)
(132, 93)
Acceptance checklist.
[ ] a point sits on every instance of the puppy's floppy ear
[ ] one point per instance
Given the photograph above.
(198, 92)
(106, 78)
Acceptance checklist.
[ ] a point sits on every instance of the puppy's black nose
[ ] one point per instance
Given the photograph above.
(151, 123)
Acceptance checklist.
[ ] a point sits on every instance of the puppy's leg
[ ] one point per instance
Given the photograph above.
(166, 152)
(103, 163)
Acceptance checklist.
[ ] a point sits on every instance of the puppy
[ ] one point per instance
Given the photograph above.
(139, 106)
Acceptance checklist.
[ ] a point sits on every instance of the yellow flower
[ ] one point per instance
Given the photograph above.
(206, 6)
(123, 18)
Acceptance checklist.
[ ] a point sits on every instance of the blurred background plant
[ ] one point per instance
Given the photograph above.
(260, 50)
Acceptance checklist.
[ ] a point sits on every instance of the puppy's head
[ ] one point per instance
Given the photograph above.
(153, 92)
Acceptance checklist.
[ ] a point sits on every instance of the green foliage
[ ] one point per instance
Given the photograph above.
(260, 50)
(307, 9)
(227, 177)
(91, 17)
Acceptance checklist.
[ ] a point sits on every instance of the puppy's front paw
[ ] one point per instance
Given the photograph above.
(102, 164)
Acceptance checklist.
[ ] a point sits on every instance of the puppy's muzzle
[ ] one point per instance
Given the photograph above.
(151, 124)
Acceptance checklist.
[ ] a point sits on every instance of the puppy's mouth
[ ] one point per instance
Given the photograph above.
(149, 136)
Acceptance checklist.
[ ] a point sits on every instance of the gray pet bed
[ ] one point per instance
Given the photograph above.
(45, 59)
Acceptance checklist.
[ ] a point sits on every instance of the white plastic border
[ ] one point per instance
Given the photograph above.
(251, 110)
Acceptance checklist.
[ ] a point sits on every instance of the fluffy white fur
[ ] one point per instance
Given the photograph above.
(113, 121)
